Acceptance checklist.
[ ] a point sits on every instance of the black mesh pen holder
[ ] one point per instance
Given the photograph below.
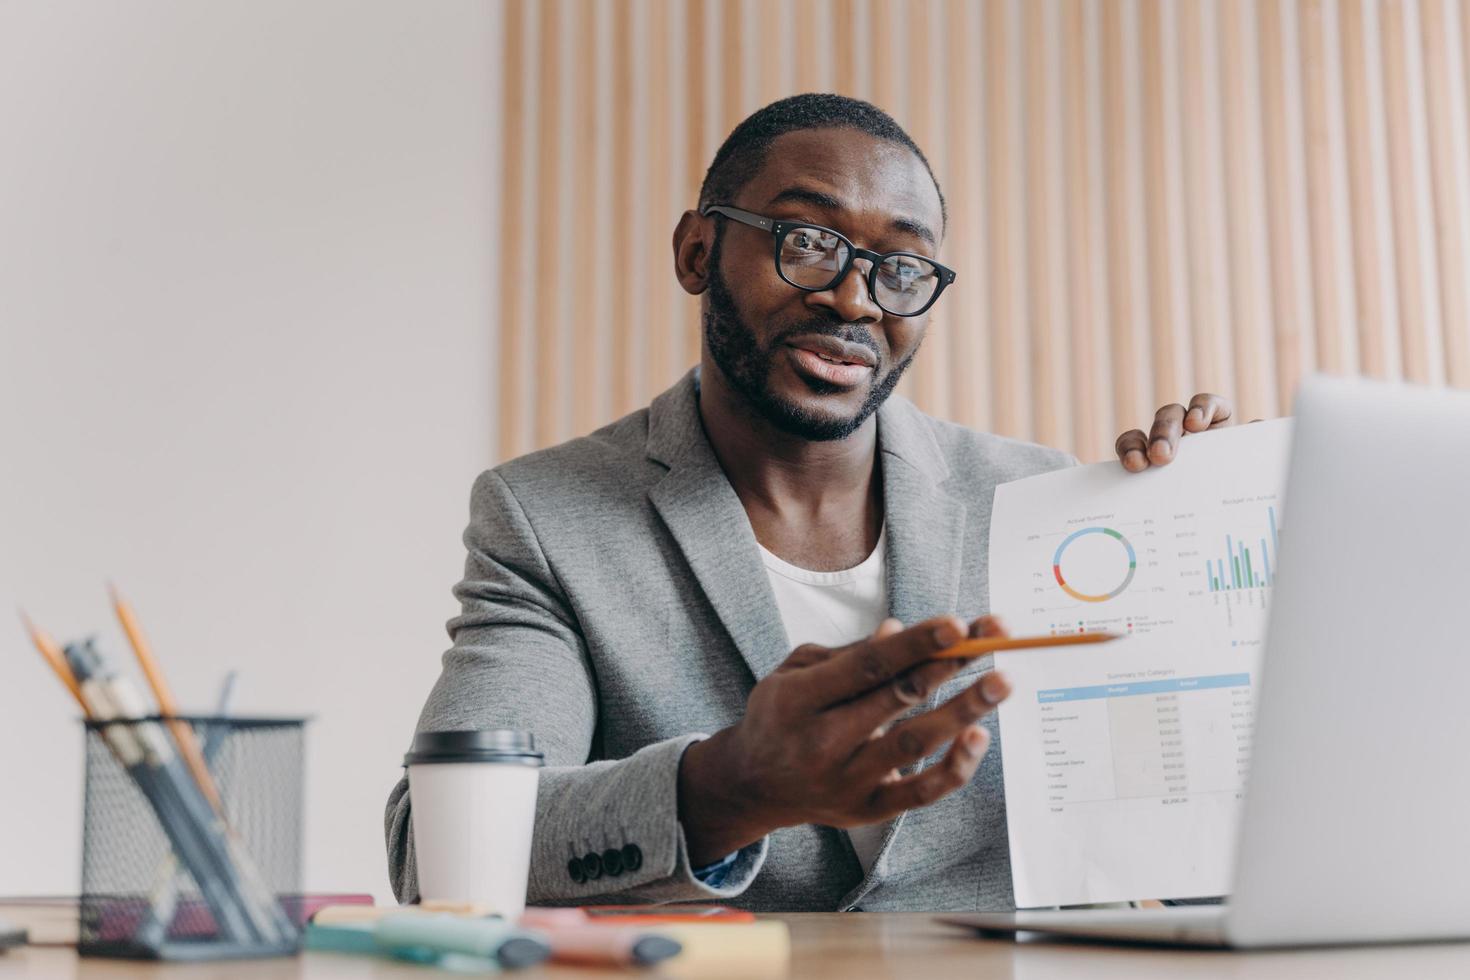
(179, 867)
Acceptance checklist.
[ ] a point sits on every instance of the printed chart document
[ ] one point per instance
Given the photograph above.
(1124, 761)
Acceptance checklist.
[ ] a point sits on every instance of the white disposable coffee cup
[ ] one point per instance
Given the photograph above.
(473, 809)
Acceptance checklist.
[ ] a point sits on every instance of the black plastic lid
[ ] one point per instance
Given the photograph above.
(504, 745)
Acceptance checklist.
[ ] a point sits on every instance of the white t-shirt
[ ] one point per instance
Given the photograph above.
(833, 609)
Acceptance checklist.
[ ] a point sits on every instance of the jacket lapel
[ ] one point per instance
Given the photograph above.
(925, 552)
(925, 522)
(703, 513)
(925, 532)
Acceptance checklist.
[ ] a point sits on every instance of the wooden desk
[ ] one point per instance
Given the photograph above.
(890, 946)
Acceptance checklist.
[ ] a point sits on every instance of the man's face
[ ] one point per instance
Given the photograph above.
(774, 342)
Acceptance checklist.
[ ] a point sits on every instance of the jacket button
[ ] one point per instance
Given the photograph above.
(632, 857)
(574, 868)
(612, 861)
(592, 866)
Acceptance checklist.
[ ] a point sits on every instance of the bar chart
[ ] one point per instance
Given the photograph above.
(1239, 568)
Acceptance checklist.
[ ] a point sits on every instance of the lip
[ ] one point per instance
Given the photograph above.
(839, 349)
(806, 362)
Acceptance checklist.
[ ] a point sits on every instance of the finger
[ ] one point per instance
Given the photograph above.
(987, 626)
(888, 627)
(872, 663)
(938, 781)
(811, 653)
(917, 738)
(1206, 411)
(1132, 450)
(807, 655)
(852, 721)
(1163, 438)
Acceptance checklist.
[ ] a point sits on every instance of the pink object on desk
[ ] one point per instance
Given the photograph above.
(575, 938)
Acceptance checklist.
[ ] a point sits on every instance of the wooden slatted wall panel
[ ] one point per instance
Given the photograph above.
(1147, 198)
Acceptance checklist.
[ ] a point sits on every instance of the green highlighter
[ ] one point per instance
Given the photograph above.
(444, 940)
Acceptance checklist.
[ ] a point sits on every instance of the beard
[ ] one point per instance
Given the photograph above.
(747, 364)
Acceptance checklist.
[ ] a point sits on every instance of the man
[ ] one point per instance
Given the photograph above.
(717, 613)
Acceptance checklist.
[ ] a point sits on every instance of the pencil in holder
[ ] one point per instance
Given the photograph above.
(181, 864)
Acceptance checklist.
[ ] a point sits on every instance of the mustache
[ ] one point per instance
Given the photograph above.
(852, 333)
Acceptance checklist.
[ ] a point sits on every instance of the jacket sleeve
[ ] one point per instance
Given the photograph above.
(519, 661)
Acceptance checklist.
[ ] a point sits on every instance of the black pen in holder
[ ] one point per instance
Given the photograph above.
(167, 876)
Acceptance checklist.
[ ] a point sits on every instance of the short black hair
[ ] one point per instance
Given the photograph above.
(744, 150)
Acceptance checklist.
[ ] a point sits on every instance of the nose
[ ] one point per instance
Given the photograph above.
(850, 298)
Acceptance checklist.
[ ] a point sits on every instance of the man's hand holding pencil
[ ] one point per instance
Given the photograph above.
(821, 740)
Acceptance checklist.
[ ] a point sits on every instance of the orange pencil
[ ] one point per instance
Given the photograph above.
(183, 733)
(991, 644)
(55, 658)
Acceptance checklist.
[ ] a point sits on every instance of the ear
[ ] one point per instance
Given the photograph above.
(694, 237)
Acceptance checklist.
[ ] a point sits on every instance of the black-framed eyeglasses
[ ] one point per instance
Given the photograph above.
(814, 258)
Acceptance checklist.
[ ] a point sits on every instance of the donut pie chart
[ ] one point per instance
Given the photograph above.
(1091, 590)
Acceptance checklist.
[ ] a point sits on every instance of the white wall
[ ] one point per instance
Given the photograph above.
(246, 337)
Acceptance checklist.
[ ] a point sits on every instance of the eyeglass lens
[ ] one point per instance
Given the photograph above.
(812, 258)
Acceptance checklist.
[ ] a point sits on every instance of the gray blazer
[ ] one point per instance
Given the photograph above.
(615, 604)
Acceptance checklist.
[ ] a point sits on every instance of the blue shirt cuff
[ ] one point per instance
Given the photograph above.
(713, 875)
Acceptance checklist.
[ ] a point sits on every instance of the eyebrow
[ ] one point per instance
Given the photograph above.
(821, 199)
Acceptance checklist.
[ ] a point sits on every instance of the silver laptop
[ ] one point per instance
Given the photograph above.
(1355, 826)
